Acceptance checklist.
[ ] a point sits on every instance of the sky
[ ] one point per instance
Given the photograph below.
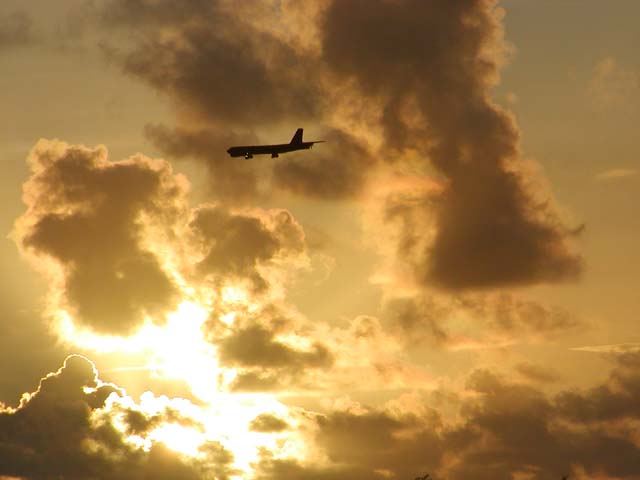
(448, 285)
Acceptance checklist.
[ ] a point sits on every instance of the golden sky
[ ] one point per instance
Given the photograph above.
(448, 285)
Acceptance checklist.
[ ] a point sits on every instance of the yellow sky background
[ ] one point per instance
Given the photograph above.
(572, 81)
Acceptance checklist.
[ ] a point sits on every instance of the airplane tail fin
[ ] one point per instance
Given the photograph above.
(297, 137)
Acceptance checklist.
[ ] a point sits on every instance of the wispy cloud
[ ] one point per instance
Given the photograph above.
(611, 85)
(616, 173)
(617, 348)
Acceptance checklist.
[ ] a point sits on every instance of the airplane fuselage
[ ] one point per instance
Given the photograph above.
(248, 151)
(273, 150)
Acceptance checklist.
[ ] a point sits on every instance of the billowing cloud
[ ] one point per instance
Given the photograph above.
(268, 423)
(237, 245)
(61, 430)
(431, 66)
(270, 348)
(212, 60)
(420, 73)
(86, 216)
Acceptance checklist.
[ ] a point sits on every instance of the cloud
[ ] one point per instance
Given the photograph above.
(616, 348)
(65, 430)
(612, 86)
(120, 243)
(237, 245)
(404, 444)
(86, 218)
(231, 179)
(270, 348)
(574, 433)
(16, 29)
(338, 171)
(231, 74)
(474, 321)
(616, 173)
(75, 426)
(430, 65)
(268, 423)
(214, 63)
(413, 76)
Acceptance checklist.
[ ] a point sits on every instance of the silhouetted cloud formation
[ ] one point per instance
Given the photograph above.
(268, 349)
(430, 65)
(75, 426)
(236, 245)
(422, 71)
(62, 430)
(88, 215)
(268, 423)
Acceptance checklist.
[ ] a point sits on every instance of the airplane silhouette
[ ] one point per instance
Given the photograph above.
(248, 151)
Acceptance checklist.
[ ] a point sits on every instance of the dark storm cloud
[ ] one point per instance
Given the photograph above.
(237, 245)
(60, 431)
(86, 214)
(16, 29)
(437, 60)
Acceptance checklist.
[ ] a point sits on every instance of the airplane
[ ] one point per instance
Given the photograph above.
(274, 150)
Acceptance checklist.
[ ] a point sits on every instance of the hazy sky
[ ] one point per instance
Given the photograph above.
(448, 285)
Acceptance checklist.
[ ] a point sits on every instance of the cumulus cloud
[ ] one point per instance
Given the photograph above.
(420, 73)
(237, 245)
(62, 430)
(121, 245)
(270, 348)
(86, 215)
(574, 433)
(75, 426)
(268, 423)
